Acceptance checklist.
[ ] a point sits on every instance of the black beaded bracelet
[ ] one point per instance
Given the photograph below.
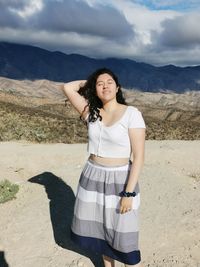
(127, 194)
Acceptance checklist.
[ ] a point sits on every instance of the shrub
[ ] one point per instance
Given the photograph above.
(7, 191)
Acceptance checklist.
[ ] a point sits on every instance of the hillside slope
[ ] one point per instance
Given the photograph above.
(38, 111)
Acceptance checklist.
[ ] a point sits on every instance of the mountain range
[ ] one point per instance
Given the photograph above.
(18, 61)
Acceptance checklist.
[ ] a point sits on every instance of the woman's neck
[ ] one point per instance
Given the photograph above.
(110, 106)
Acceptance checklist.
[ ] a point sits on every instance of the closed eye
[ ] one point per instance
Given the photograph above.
(99, 83)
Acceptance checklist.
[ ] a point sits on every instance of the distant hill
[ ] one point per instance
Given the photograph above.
(38, 111)
(28, 62)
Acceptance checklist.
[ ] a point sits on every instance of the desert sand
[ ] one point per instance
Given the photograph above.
(34, 228)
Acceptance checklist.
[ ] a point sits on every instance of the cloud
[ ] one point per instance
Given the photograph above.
(79, 17)
(181, 32)
(30, 8)
(17, 4)
(70, 26)
(7, 17)
(13, 13)
(66, 16)
(122, 28)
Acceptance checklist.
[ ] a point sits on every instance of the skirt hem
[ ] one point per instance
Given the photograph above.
(102, 247)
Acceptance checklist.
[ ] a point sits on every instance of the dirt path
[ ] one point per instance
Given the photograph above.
(34, 228)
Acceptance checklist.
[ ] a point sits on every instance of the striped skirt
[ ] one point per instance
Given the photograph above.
(97, 223)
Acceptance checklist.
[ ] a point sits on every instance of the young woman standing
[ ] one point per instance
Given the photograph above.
(107, 201)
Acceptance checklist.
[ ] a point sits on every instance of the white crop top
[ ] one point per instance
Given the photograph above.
(113, 141)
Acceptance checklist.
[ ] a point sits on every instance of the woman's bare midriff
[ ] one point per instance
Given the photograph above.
(109, 161)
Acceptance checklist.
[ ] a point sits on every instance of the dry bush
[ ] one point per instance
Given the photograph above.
(8, 191)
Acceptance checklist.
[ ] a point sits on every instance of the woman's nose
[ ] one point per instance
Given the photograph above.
(105, 85)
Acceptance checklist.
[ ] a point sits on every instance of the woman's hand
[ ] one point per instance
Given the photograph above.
(71, 91)
(126, 204)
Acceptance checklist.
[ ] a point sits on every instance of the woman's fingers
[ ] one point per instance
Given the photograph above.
(125, 205)
(124, 209)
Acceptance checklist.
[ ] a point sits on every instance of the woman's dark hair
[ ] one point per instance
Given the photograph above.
(89, 93)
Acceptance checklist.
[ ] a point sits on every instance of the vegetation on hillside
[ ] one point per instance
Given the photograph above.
(57, 123)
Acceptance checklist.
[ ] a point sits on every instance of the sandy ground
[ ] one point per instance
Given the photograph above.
(34, 228)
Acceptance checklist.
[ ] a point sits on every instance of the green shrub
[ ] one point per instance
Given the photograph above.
(7, 191)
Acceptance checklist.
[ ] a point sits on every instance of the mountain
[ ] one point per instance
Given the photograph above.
(28, 62)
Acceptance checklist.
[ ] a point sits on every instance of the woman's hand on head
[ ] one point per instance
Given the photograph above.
(82, 83)
(71, 89)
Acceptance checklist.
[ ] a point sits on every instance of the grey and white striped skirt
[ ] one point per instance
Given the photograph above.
(97, 223)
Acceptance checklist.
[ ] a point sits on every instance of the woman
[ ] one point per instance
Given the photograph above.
(106, 208)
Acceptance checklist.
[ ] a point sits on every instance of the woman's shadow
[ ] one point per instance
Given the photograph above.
(3, 262)
(61, 208)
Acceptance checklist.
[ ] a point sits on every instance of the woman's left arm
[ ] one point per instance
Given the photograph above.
(137, 139)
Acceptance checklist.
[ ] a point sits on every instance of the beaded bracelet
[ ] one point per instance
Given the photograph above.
(127, 194)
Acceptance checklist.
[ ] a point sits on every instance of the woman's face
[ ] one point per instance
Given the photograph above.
(106, 87)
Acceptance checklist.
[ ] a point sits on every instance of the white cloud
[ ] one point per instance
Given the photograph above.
(29, 9)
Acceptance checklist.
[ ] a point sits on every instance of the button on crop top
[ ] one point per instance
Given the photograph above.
(113, 141)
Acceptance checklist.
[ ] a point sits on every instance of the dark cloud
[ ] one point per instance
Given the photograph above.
(69, 16)
(79, 17)
(180, 32)
(8, 18)
(17, 4)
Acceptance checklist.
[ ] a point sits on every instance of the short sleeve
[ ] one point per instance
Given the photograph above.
(135, 119)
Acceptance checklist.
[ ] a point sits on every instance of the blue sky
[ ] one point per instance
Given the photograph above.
(158, 32)
(178, 5)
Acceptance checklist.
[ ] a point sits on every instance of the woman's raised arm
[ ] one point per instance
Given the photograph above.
(70, 89)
